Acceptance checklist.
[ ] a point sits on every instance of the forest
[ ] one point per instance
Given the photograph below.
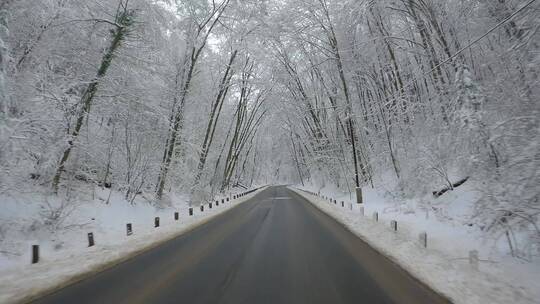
(150, 98)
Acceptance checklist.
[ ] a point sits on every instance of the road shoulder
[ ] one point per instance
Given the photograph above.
(446, 276)
(24, 284)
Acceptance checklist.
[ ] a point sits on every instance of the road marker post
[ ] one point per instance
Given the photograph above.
(342, 204)
(176, 216)
(202, 208)
(217, 203)
(210, 205)
(35, 254)
(376, 216)
(474, 261)
(423, 239)
(156, 222)
(90, 239)
(359, 198)
(190, 211)
(393, 225)
(129, 229)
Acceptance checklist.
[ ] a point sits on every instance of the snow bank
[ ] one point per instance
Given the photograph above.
(64, 253)
(444, 265)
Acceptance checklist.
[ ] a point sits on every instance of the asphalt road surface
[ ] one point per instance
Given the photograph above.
(275, 248)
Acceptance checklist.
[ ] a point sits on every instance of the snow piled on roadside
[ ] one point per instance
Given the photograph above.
(444, 264)
(64, 253)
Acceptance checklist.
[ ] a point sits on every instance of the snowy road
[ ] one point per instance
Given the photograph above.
(276, 248)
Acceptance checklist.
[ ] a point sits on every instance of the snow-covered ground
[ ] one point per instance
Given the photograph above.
(444, 265)
(64, 252)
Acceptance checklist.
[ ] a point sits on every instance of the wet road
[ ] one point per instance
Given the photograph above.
(275, 248)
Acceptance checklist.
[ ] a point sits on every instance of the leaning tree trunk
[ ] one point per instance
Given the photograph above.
(214, 117)
(177, 118)
(123, 22)
(176, 127)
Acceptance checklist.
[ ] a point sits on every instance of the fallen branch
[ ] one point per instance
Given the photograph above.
(454, 185)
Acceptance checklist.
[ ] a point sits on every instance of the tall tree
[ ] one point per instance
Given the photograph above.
(198, 38)
(121, 24)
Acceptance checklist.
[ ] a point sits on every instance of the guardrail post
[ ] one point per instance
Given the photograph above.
(90, 239)
(473, 259)
(393, 225)
(35, 254)
(156, 222)
(423, 239)
(129, 229)
(376, 216)
(359, 198)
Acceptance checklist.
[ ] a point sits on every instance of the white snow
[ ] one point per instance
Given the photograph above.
(444, 265)
(64, 253)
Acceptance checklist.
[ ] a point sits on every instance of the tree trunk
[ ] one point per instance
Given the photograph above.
(124, 21)
(214, 117)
